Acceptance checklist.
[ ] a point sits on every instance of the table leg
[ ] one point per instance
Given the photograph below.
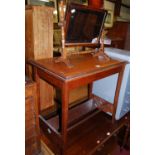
(119, 81)
(64, 118)
(37, 105)
(37, 79)
(59, 111)
(126, 134)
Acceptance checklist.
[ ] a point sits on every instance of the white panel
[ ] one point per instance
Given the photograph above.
(106, 87)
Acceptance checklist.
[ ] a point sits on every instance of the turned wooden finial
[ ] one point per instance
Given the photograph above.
(62, 21)
(63, 57)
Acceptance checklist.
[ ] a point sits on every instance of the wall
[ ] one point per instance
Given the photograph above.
(109, 5)
(124, 11)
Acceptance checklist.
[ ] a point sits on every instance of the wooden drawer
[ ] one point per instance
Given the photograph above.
(54, 141)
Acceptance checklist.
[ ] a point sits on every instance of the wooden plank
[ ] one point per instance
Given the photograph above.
(43, 32)
(32, 132)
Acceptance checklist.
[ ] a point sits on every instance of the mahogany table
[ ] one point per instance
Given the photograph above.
(85, 70)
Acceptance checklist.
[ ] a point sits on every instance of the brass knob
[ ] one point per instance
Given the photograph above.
(49, 131)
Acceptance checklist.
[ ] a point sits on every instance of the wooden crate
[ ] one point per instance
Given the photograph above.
(39, 44)
(39, 32)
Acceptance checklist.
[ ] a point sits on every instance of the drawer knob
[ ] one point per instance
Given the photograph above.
(108, 133)
(49, 131)
(98, 141)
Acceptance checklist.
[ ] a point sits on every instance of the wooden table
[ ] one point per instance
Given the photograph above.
(85, 70)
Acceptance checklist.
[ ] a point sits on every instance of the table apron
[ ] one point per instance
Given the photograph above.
(50, 79)
(93, 77)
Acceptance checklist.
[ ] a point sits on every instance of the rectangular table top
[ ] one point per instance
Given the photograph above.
(82, 65)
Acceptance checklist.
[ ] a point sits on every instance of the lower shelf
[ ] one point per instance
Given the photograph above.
(85, 138)
(79, 113)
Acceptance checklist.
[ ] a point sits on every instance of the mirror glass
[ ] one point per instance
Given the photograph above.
(83, 25)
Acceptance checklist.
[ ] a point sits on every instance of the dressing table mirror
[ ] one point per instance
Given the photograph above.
(81, 26)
